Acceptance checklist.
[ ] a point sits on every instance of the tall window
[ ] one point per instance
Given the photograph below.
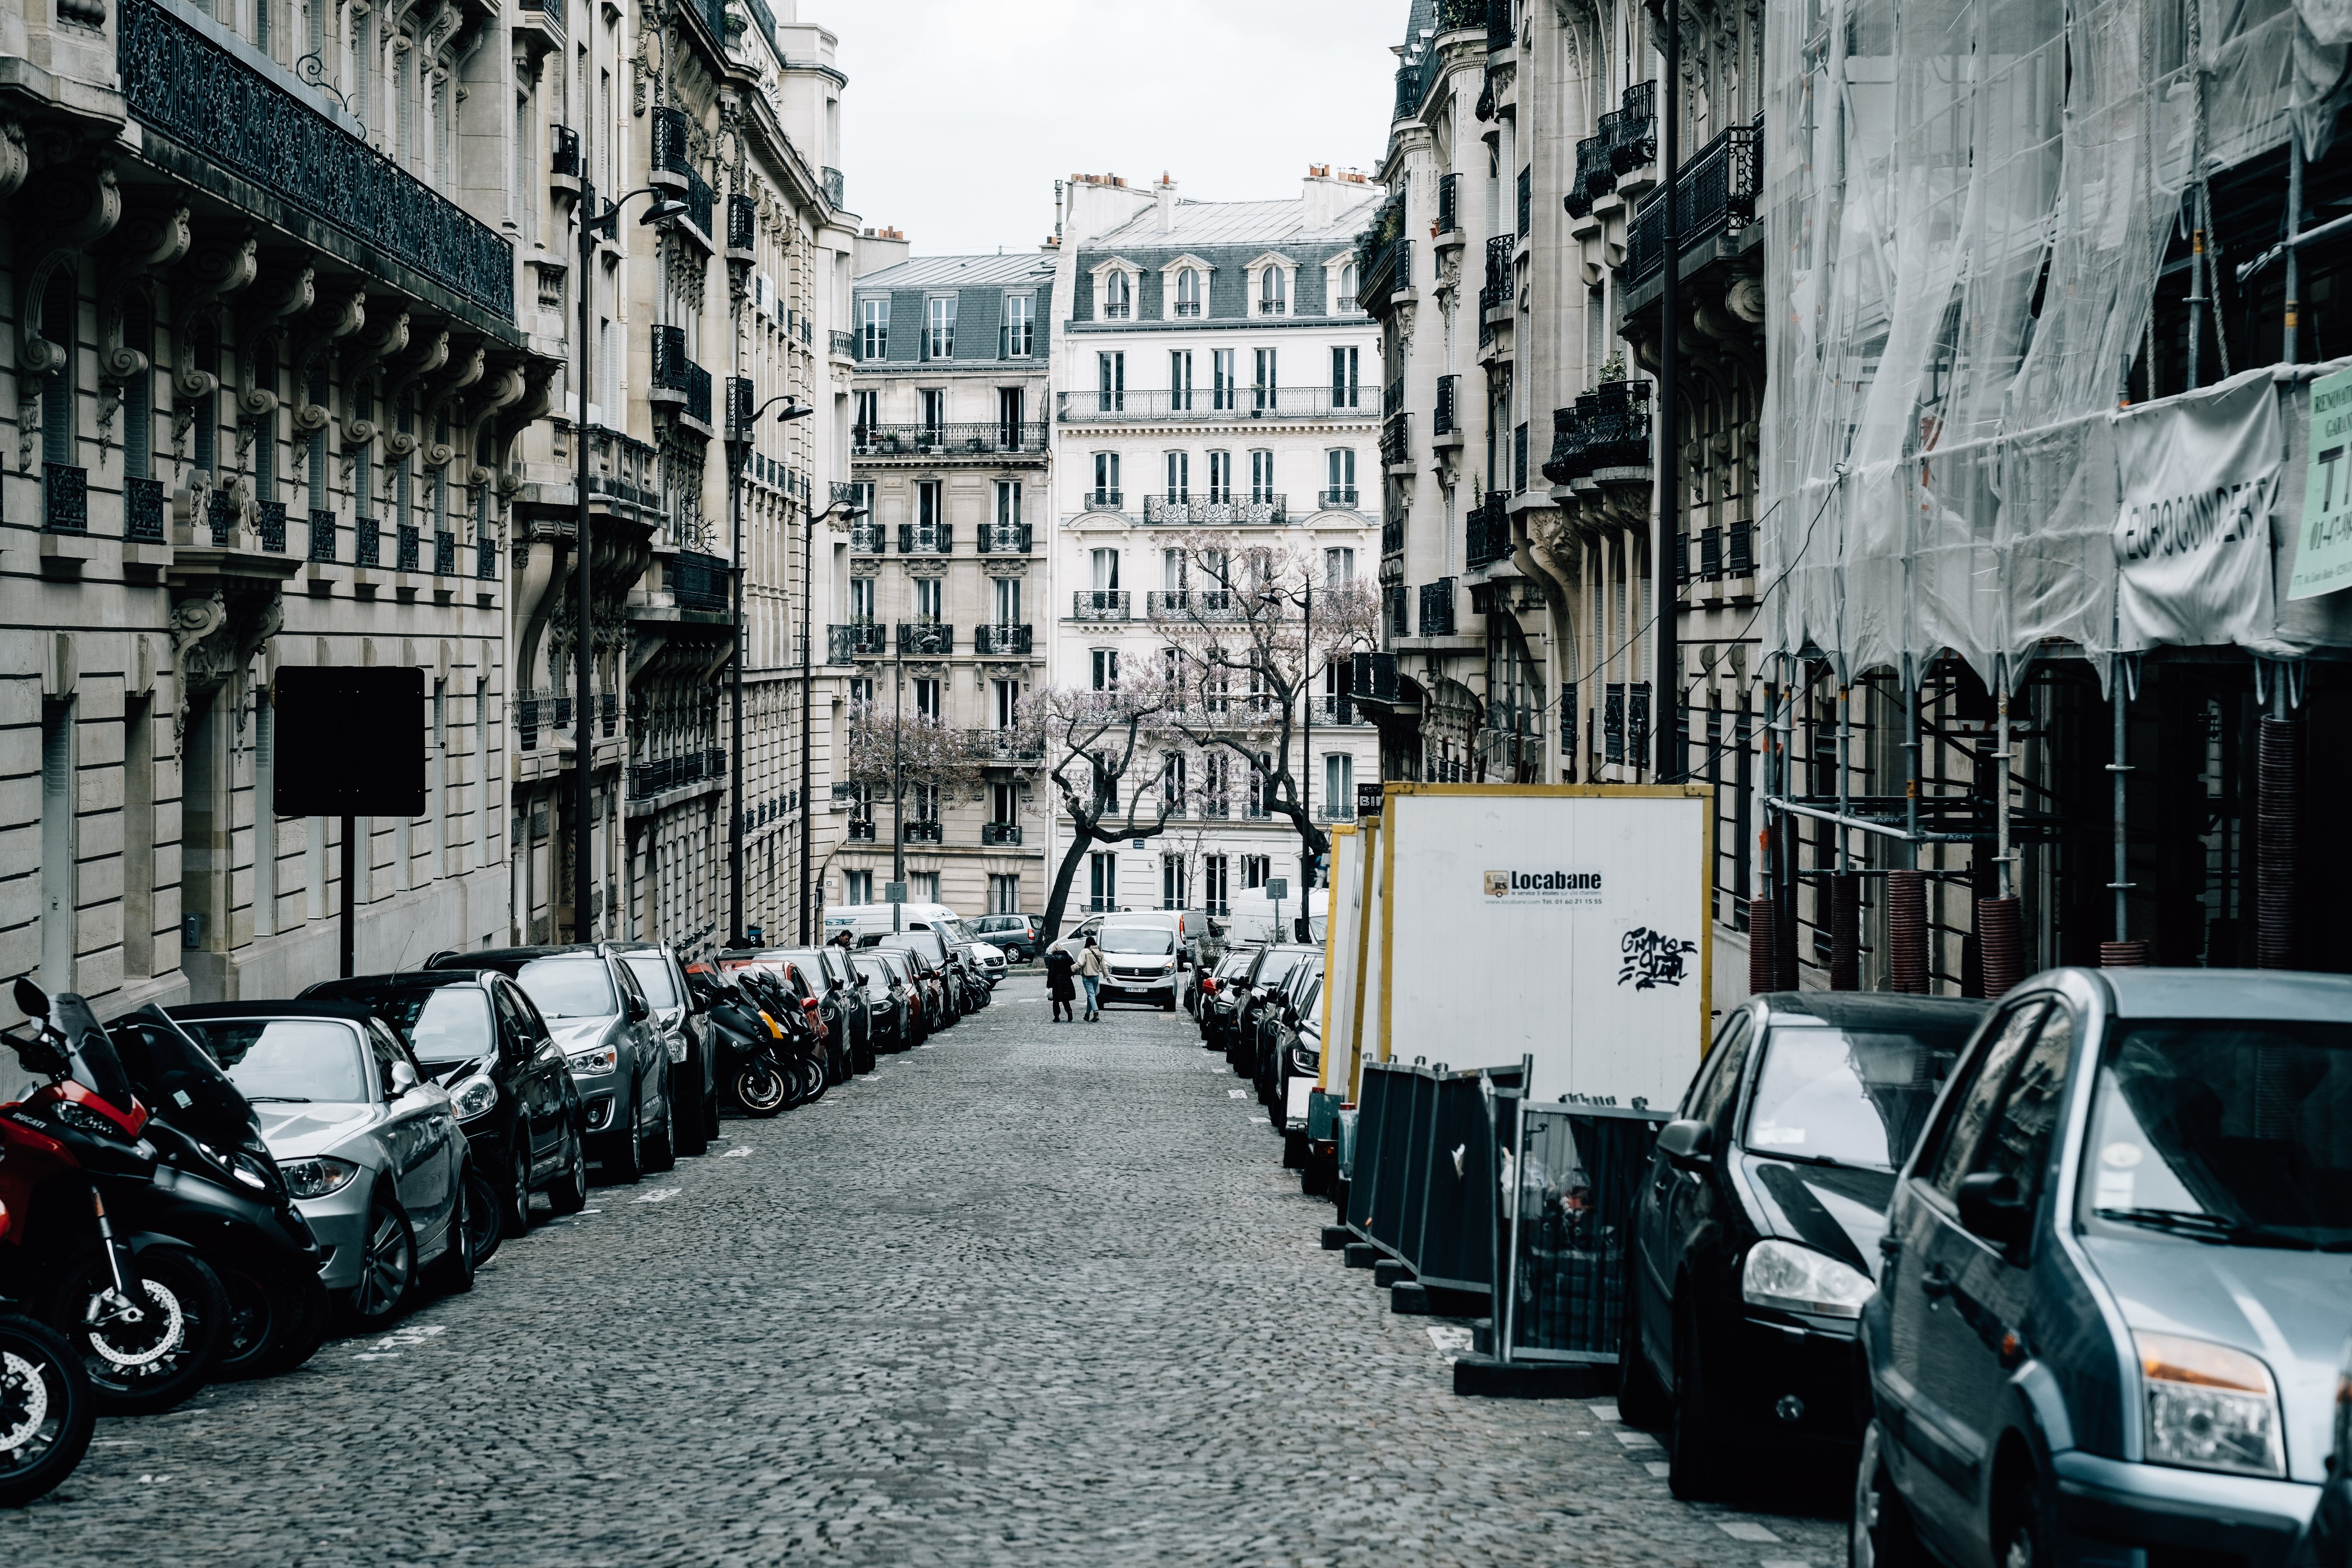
(1256, 869)
(873, 329)
(1188, 293)
(935, 413)
(927, 592)
(1172, 783)
(1007, 596)
(1007, 705)
(857, 887)
(1105, 662)
(1014, 337)
(1110, 382)
(1008, 503)
(1179, 476)
(1221, 478)
(1346, 391)
(928, 502)
(1174, 571)
(1223, 389)
(1338, 785)
(939, 327)
(1339, 567)
(1004, 893)
(861, 600)
(1340, 462)
(923, 887)
(1261, 477)
(1102, 881)
(1011, 414)
(1215, 899)
(1106, 569)
(1347, 296)
(1106, 493)
(1119, 297)
(867, 414)
(1264, 389)
(1180, 379)
(927, 703)
(1171, 881)
(1274, 291)
(139, 394)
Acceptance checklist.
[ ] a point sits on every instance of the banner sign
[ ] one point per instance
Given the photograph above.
(2200, 478)
(1572, 885)
(2322, 554)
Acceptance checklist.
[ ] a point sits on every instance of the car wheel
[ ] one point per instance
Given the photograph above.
(306, 1322)
(1169, 1004)
(690, 1127)
(1641, 1402)
(625, 1158)
(710, 1100)
(452, 1273)
(568, 1193)
(515, 1218)
(387, 1265)
(2018, 1525)
(1882, 1535)
(485, 1211)
(661, 1149)
(1694, 1458)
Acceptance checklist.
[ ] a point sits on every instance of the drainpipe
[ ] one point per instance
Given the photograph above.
(2123, 953)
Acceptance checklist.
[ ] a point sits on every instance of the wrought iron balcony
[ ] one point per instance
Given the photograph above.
(1489, 535)
(1373, 677)
(742, 223)
(1104, 501)
(677, 380)
(1498, 24)
(1632, 129)
(978, 439)
(1595, 177)
(405, 542)
(1001, 642)
(1264, 507)
(444, 547)
(1212, 408)
(367, 542)
(142, 510)
(1442, 422)
(861, 830)
(670, 160)
(1333, 711)
(1498, 290)
(1392, 398)
(1005, 539)
(1191, 604)
(323, 536)
(1714, 195)
(1006, 747)
(867, 538)
(1437, 608)
(486, 556)
(1396, 440)
(564, 156)
(993, 834)
(834, 190)
(700, 582)
(189, 90)
(930, 639)
(1341, 500)
(923, 830)
(860, 639)
(1449, 203)
(702, 205)
(223, 514)
(1098, 605)
(1392, 536)
(1740, 549)
(1519, 459)
(65, 499)
(1391, 270)
(926, 538)
(1608, 428)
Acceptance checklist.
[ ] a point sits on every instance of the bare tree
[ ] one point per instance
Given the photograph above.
(890, 752)
(1092, 742)
(1251, 628)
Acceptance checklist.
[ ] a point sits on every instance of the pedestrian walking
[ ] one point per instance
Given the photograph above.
(1059, 966)
(1091, 969)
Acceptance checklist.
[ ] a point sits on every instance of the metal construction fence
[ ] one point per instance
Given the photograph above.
(1569, 1178)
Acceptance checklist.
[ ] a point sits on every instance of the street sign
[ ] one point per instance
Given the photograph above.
(894, 892)
(1368, 800)
(350, 742)
(1278, 887)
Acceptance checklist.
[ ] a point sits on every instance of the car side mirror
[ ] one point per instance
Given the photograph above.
(402, 1079)
(1992, 1207)
(1688, 1145)
(638, 1010)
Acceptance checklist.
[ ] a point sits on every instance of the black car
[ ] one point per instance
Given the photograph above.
(1756, 1231)
(662, 977)
(1277, 1017)
(932, 1012)
(934, 951)
(1221, 996)
(890, 997)
(1022, 937)
(845, 1003)
(1258, 985)
(475, 1034)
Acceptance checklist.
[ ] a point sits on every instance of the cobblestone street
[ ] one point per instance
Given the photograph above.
(1033, 1293)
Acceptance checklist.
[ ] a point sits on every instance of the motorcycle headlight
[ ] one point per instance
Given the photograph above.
(318, 1176)
(596, 1060)
(2209, 1408)
(83, 1119)
(1799, 1279)
(474, 1098)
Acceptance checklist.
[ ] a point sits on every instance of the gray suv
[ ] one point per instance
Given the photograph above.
(598, 1017)
(693, 1076)
(2108, 1317)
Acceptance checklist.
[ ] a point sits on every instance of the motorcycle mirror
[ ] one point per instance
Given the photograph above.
(31, 1000)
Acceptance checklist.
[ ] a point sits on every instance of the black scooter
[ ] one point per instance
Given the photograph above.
(759, 1061)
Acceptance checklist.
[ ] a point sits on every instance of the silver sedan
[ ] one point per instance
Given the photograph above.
(369, 1147)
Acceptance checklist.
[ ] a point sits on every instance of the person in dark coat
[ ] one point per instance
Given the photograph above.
(1059, 986)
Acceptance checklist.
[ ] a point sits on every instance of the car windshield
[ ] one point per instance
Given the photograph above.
(2225, 1131)
(652, 971)
(1849, 1097)
(442, 1023)
(874, 969)
(1144, 939)
(282, 1059)
(1277, 968)
(1236, 964)
(569, 987)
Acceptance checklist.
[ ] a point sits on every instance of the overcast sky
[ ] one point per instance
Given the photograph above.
(960, 114)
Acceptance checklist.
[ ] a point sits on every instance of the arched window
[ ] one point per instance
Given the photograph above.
(1188, 293)
(1346, 300)
(1274, 292)
(1119, 296)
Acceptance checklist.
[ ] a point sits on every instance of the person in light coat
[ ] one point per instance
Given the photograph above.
(1092, 967)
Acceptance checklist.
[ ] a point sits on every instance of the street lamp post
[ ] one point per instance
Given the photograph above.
(592, 223)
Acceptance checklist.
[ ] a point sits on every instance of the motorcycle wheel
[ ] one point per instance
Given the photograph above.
(814, 1080)
(46, 1410)
(486, 1220)
(256, 1320)
(759, 1089)
(150, 1365)
(568, 1193)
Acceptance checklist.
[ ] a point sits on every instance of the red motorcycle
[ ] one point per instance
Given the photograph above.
(142, 1311)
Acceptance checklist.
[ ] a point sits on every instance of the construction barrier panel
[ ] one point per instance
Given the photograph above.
(1571, 1181)
(1423, 1176)
(1343, 937)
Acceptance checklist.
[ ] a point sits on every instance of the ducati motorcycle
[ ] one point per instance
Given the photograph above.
(46, 1408)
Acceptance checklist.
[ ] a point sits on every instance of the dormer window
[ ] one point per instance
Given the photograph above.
(1274, 292)
(1188, 293)
(1344, 296)
(1119, 297)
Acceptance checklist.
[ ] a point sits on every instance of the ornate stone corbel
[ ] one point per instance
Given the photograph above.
(193, 621)
(15, 160)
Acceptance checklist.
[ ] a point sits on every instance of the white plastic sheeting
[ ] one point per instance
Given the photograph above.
(1965, 204)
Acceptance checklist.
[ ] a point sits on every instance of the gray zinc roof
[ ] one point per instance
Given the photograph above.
(936, 271)
(1235, 223)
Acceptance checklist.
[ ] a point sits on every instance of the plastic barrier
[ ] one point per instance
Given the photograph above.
(1572, 1179)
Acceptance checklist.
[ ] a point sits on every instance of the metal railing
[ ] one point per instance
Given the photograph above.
(563, 157)
(1449, 203)
(445, 546)
(367, 542)
(699, 582)
(1267, 507)
(869, 538)
(1715, 194)
(1437, 608)
(701, 203)
(667, 155)
(1442, 421)
(1192, 604)
(405, 542)
(999, 642)
(666, 773)
(1595, 176)
(142, 510)
(973, 440)
(1498, 289)
(1006, 539)
(931, 639)
(861, 830)
(1209, 407)
(742, 223)
(1499, 35)
(1099, 605)
(1006, 746)
(1103, 500)
(1489, 538)
(1525, 200)
(65, 499)
(678, 379)
(1392, 398)
(1389, 270)
(994, 834)
(1396, 440)
(1608, 428)
(834, 195)
(923, 830)
(867, 639)
(232, 118)
(1340, 499)
(926, 538)
(1519, 459)
(323, 537)
(486, 551)
(1392, 536)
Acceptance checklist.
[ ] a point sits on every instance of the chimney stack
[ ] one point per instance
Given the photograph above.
(1166, 193)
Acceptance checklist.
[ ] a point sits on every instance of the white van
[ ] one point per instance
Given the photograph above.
(875, 920)
(1254, 916)
(1189, 926)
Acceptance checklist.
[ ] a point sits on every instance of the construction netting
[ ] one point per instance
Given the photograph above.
(1966, 206)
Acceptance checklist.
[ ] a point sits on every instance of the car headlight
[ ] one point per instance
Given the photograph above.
(1303, 1062)
(1799, 1279)
(318, 1176)
(598, 1059)
(473, 1098)
(2209, 1408)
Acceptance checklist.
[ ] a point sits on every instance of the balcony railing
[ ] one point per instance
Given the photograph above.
(860, 639)
(65, 499)
(1005, 539)
(667, 156)
(699, 582)
(1210, 407)
(1098, 605)
(676, 379)
(1396, 440)
(405, 542)
(1390, 270)
(1519, 460)
(1489, 535)
(323, 537)
(702, 205)
(1006, 746)
(1608, 428)
(845, 343)
(1103, 500)
(1497, 291)
(923, 830)
(486, 554)
(946, 441)
(623, 470)
(1266, 508)
(1333, 711)
(1192, 604)
(444, 547)
(1632, 130)
(666, 773)
(1716, 194)
(834, 193)
(868, 539)
(1373, 677)
(1595, 176)
(1449, 203)
(1392, 398)
(142, 510)
(999, 833)
(563, 157)
(1499, 35)
(1437, 608)
(1341, 500)
(1001, 642)
(1442, 422)
(742, 223)
(1392, 536)
(367, 542)
(926, 639)
(229, 116)
(926, 538)
(861, 830)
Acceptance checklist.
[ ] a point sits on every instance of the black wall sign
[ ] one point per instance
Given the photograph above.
(1368, 800)
(350, 742)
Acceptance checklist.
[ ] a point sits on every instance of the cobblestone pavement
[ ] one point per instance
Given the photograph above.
(1034, 1293)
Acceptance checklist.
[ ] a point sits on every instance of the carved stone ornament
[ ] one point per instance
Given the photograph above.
(214, 641)
(15, 161)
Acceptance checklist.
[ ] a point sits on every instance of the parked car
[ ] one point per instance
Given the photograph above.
(1141, 961)
(890, 995)
(1757, 1228)
(849, 997)
(2328, 1541)
(1220, 996)
(1278, 1016)
(926, 985)
(1269, 967)
(370, 1148)
(1021, 936)
(1299, 1062)
(474, 1032)
(661, 974)
(933, 946)
(992, 960)
(2107, 1323)
(599, 1018)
